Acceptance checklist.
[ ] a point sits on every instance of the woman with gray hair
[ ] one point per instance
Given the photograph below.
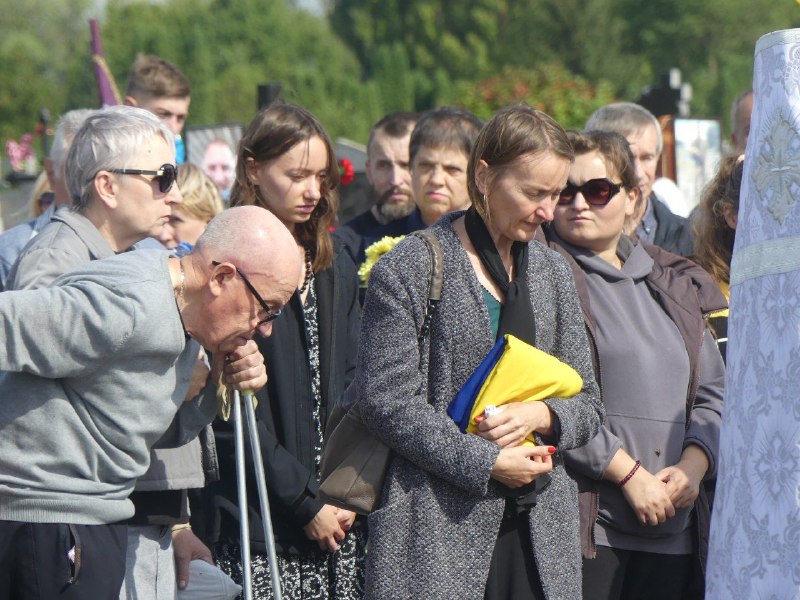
(120, 175)
(454, 520)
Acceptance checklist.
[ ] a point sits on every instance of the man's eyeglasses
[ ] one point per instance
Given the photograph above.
(597, 192)
(271, 314)
(165, 175)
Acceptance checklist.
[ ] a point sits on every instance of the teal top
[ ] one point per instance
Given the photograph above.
(495, 308)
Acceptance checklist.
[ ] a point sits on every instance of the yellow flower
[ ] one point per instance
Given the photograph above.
(373, 253)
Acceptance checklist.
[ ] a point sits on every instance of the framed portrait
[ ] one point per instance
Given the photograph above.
(213, 148)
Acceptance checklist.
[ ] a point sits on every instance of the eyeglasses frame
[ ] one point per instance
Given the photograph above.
(614, 189)
(157, 175)
(271, 314)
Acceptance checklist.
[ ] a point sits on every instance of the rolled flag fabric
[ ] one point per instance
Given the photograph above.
(513, 371)
(754, 547)
(106, 86)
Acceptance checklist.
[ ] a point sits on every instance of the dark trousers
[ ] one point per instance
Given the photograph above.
(46, 561)
(629, 575)
(513, 574)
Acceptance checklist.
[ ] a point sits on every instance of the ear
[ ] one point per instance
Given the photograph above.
(632, 200)
(130, 101)
(367, 171)
(482, 176)
(221, 277)
(731, 216)
(251, 168)
(106, 186)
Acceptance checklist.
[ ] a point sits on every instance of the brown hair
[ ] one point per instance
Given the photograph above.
(444, 127)
(153, 77)
(394, 125)
(274, 131)
(713, 237)
(616, 153)
(201, 197)
(513, 132)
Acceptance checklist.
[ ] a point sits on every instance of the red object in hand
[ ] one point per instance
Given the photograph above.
(346, 171)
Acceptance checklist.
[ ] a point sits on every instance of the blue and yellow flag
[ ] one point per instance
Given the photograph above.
(513, 371)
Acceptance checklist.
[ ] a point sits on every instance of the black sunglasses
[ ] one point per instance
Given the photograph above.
(165, 175)
(271, 314)
(597, 192)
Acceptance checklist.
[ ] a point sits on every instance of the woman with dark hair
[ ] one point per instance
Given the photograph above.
(287, 166)
(453, 521)
(714, 231)
(661, 379)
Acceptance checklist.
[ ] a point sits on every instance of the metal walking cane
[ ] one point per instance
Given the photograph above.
(261, 484)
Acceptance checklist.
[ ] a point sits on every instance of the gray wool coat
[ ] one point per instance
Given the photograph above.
(440, 513)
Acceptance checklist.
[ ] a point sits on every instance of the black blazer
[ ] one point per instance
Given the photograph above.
(284, 414)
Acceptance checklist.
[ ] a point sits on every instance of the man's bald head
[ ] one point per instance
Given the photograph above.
(254, 239)
(243, 269)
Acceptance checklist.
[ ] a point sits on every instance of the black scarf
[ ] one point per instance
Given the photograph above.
(517, 315)
(516, 318)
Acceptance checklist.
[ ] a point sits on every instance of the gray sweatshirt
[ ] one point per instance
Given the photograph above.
(69, 242)
(644, 370)
(95, 369)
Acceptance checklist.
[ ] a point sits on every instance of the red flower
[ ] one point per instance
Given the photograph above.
(346, 171)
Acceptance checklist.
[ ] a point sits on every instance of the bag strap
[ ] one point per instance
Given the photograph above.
(436, 280)
(350, 403)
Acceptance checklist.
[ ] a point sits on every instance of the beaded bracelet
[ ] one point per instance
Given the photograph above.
(627, 477)
(180, 527)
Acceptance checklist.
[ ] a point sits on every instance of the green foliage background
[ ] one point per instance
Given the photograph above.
(359, 59)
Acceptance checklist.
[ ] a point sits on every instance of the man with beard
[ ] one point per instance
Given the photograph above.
(387, 170)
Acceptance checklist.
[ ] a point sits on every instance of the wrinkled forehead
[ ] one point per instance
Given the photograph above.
(167, 106)
(643, 141)
(441, 153)
(382, 143)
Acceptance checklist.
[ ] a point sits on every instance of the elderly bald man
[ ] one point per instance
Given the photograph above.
(96, 368)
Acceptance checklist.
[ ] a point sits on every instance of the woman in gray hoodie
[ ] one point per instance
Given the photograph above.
(661, 379)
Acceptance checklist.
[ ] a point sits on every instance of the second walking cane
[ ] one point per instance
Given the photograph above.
(244, 521)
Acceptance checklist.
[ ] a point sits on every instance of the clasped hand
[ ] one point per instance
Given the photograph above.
(512, 423)
(520, 465)
(329, 527)
(654, 498)
(648, 498)
(243, 367)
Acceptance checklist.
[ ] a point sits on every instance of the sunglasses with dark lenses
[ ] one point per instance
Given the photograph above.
(271, 314)
(165, 175)
(596, 192)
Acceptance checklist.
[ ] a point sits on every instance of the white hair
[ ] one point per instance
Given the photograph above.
(624, 118)
(65, 131)
(109, 139)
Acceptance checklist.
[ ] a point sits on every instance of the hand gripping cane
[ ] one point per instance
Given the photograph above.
(244, 520)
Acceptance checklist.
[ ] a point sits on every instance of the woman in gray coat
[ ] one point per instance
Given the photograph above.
(455, 520)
